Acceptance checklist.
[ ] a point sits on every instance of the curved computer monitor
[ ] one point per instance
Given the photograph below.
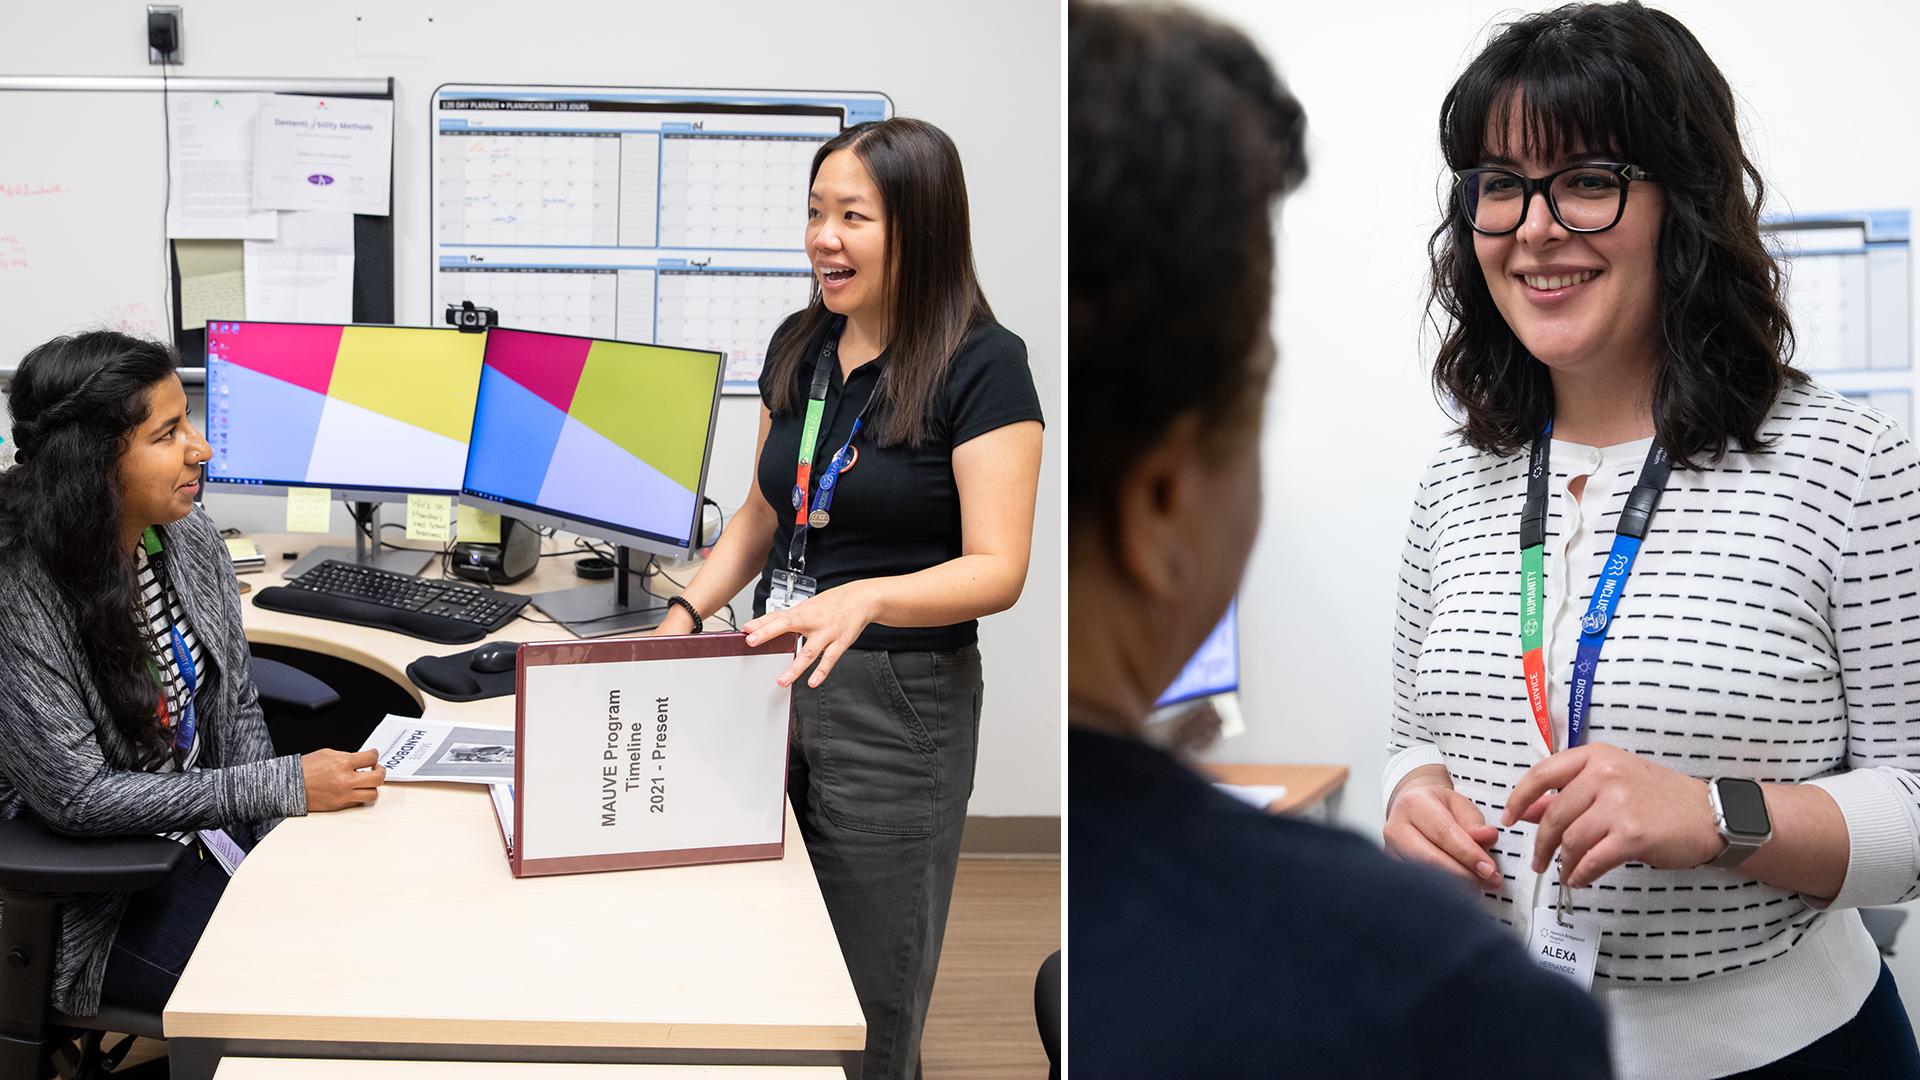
(607, 439)
(374, 413)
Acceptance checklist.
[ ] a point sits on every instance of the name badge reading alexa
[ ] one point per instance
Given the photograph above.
(1566, 945)
(789, 589)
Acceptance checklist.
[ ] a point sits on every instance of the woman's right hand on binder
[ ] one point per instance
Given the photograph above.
(336, 779)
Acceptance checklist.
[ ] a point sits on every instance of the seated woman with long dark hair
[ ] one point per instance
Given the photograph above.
(126, 701)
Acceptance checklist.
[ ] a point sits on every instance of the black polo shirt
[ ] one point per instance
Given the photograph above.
(897, 510)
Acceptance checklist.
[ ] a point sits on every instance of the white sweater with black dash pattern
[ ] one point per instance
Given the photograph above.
(1770, 630)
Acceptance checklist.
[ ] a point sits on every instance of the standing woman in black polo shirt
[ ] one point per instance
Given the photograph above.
(899, 455)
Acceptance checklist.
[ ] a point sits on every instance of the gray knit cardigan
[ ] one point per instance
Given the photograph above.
(63, 761)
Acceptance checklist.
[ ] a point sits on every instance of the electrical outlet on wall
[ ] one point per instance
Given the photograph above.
(163, 33)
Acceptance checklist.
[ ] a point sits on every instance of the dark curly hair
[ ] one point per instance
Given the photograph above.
(75, 403)
(1179, 139)
(1633, 81)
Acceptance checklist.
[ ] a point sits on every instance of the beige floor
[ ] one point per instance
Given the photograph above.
(1004, 922)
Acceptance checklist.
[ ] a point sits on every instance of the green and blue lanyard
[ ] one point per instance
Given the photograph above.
(1628, 534)
(183, 732)
(813, 513)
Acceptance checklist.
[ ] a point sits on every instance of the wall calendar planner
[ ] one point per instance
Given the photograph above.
(1850, 292)
(667, 216)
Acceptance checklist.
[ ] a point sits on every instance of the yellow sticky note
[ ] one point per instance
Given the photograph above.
(309, 509)
(477, 526)
(428, 517)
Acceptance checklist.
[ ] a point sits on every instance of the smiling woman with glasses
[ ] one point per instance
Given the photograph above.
(1656, 697)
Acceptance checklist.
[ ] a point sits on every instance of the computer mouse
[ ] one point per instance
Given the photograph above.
(495, 657)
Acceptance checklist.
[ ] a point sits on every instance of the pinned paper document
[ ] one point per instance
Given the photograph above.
(211, 298)
(210, 165)
(212, 288)
(429, 517)
(309, 509)
(307, 274)
(477, 526)
(313, 152)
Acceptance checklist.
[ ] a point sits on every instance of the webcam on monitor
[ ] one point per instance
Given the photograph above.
(472, 320)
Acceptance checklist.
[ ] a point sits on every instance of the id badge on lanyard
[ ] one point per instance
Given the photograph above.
(1562, 940)
(214, 841)
(789, 588)
(792, 585)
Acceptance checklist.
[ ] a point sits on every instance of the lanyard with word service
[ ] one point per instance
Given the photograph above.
(1628, 534)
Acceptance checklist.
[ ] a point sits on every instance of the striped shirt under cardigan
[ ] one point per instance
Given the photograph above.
(160, 615)
(63, 761)
(1770, 629)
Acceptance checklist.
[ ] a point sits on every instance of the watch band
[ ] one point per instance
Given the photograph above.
(1736, 851)
(683, 602)
(1739, 847)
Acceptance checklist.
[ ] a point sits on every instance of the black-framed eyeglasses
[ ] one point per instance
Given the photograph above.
(1584, 198)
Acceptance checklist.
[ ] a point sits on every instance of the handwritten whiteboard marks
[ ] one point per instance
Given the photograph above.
(82, 235)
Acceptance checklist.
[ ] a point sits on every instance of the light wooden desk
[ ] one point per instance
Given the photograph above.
(1313, 791)
(336, 1069)
(397, 932)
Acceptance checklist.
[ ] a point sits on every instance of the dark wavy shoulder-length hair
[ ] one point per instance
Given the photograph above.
(1636, 83)
(75, 403)
(932, 291)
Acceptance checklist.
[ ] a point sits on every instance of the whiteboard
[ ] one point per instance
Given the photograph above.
(82, 223)
(83, 182)
(668, 216)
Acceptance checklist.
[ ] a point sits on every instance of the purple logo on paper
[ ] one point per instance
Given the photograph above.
(321, 179)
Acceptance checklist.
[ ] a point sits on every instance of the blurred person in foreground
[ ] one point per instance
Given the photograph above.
(1208, 938)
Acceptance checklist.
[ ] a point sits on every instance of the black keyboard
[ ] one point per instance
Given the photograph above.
(442, 611)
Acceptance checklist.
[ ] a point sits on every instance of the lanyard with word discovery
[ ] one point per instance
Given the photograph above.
(813, 514)
(1627, 536)
(1628, 533)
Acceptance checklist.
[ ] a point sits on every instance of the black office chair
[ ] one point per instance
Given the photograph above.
(1046, 1011)
(38, 870)
(285, 690)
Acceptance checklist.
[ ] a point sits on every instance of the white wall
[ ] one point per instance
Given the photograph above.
(986, 72)
(1824, 100)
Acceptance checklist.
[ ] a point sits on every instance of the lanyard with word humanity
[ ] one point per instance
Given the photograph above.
(1628, 534)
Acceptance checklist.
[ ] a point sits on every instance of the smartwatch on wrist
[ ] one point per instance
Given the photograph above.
(1740, 813)
(683, 602)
